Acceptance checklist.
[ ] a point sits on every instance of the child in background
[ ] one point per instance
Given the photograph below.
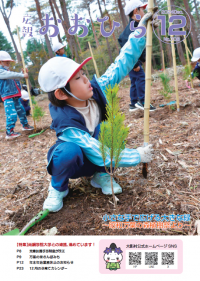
(10, 93)
(137, 75)
(58, 48)
(25, 100)
(196, 70)
(77, 108)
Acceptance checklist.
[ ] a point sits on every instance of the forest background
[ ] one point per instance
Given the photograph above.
(38, 49)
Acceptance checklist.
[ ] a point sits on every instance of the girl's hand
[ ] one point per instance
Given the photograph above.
(25, 75)
(149, 16)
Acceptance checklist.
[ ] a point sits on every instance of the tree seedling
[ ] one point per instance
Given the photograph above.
(113, 134)
(38, 112)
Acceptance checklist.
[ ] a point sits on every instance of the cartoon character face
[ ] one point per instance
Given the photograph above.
(113, 257)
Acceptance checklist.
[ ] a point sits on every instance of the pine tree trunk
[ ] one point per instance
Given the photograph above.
(181, 53)
(95, 36)
(197, 13)
(54, 16)
(193, 25)
(169, 54)
(6, 20)
(67, 25)
(41, 22)
(179, 46)
(122, 14)
(115, 40)
(159, 36)
(19, 58)
(107, 43)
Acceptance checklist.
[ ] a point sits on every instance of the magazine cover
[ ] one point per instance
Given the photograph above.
(100, 139)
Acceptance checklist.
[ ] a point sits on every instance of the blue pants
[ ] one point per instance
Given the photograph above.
(69, 161)
(137, 90)
(13, 107)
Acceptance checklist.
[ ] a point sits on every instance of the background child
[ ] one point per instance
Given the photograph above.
(196, 70)
(25, 100)
(137, 75)
(58, 48)
(10, 94)
(77, 108)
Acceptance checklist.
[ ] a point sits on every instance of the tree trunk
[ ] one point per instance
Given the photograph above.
(193, 31)
(65, 27)
(95, 36)
(123, 17)
(197, 13)
(46, 36)
(179, 46)
(19, 58)
(73, 44)
(54, 16)
(107, 43)
(160, 43)
(181, 53)
(169, 54)
(115, 40)
(6, 20)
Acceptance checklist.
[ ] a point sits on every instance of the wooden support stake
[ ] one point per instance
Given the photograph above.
(174, 60)
(95, 65)
(188, 60)
(148, 76)
(147, 84)
(27, 83)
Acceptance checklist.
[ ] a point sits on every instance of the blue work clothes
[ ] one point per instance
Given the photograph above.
(137, 89)
(13, 107)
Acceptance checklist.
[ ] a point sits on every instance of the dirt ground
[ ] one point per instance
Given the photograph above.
(172, 186)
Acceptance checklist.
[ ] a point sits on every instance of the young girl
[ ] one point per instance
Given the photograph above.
(77, 108)
(10, 91)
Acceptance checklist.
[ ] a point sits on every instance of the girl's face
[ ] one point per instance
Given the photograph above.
(138, 12)
(61, 51)
(5, 63)
(80, 86)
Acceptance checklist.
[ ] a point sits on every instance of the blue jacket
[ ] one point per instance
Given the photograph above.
(197, 70)
(7, 84)
(123, 38)
(70, 125)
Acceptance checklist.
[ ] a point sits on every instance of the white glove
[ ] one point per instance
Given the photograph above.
(146, 153)
(149, 16)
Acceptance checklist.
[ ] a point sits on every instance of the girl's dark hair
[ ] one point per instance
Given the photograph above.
(55, 101)
(131, 13)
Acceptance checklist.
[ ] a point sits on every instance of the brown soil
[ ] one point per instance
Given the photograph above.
(172, 187)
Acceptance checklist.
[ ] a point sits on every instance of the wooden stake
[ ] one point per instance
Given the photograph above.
(174, 61)
(163, 59)
(24, 67)
(188, 60)
(95, 65)
(147, 85)
(148, 76)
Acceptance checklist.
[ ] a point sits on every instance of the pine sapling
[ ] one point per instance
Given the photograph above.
(167, 89)
(113, 134)
(38, 112)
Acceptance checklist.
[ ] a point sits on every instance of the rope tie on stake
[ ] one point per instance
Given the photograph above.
(24, 67)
